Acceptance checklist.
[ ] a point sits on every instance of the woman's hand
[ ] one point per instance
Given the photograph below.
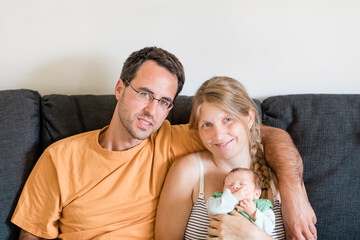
(234, 226)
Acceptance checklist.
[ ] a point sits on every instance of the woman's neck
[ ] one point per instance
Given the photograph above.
(240, 161)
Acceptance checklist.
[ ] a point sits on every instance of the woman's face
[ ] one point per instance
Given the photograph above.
(222, 134)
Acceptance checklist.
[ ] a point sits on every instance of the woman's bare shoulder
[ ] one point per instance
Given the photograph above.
(185, 162)
(188, 164)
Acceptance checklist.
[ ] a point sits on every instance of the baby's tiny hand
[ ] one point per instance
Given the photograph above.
(249, 207)
(241, 193)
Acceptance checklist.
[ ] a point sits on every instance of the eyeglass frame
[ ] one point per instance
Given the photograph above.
(151, 98)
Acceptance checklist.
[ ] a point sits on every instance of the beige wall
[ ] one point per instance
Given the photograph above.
(272, 47)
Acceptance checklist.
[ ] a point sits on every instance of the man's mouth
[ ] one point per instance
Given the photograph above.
(145, 124)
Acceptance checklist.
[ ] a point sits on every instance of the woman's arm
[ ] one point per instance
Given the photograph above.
(175, 201)
(234, 226)
(281, 154)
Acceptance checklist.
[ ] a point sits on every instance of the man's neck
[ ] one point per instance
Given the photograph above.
(114, 139)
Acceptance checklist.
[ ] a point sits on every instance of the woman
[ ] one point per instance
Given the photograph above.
(229, 127)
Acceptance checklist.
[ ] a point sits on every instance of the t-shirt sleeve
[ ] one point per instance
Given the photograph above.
(184, 141)
(38, 208)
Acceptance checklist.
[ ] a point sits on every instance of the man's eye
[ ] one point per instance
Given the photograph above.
(164, 103)
(145, 95)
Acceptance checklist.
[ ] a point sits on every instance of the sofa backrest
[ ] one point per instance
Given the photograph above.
(326, 130)
(67, 115)
(19, 149)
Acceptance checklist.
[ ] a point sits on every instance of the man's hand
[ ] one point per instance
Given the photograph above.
(298, 216)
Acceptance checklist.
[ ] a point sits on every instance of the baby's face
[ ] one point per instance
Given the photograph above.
(239, 179)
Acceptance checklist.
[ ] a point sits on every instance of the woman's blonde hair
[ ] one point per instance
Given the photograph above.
(230, 96)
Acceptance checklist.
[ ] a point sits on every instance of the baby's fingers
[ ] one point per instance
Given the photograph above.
(239, 208)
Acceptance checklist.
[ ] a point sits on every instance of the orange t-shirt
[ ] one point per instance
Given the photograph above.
(78, 190)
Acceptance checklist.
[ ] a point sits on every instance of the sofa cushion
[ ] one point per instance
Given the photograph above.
(19, 141)
(326, 130)
(180, 113)
(65, 115)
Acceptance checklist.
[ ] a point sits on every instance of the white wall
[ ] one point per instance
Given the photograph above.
(272, 47)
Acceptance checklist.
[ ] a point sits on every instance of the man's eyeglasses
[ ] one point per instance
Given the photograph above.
(148, 98)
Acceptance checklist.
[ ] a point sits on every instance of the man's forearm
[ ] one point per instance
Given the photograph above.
(282, 155)
(24, 235)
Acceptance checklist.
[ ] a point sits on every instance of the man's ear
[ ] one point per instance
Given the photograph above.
(119, 88)
(251, 118)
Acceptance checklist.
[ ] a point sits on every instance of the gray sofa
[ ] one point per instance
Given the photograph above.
(325, 128)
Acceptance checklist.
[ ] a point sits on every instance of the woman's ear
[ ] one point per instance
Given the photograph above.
(251, 117)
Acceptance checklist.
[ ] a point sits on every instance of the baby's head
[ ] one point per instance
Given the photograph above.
(239, 177)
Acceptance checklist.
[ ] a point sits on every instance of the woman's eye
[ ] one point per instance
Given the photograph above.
(227, 119)
(205, 125)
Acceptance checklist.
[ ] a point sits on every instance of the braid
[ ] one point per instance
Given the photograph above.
(260, 166)
(258, 163)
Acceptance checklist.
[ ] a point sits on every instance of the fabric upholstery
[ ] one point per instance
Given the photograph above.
(19, 149)
(65, 115)
(326, 130)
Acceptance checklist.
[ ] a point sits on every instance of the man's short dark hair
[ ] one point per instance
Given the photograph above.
(161, 57)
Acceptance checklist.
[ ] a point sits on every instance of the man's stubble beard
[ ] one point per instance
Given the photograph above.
(127, 123)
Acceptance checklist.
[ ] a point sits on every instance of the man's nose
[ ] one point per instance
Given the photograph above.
(151, 107)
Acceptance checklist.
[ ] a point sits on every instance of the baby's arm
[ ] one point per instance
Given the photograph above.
(265, 220)
(221, 205)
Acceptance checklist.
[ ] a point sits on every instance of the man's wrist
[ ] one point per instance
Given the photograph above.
(287, 189)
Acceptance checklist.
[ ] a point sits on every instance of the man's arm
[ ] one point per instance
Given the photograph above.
(281, 154)
(24, 235)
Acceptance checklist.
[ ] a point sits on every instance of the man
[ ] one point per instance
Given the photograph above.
(105, 184)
